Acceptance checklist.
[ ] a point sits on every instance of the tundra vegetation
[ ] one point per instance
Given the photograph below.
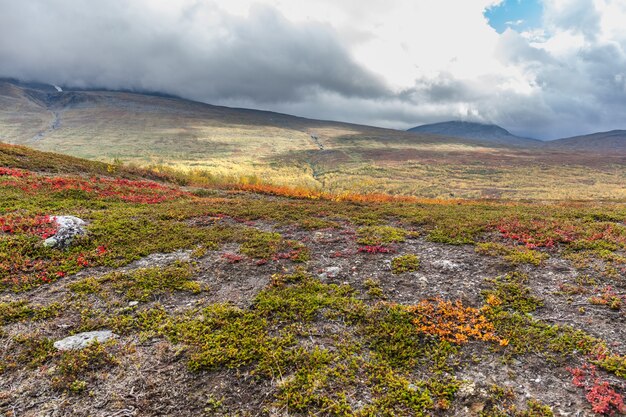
(254, 299)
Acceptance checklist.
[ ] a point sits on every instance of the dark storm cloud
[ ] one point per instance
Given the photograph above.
(202, 53)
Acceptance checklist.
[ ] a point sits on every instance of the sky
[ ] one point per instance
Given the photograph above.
(539, 68)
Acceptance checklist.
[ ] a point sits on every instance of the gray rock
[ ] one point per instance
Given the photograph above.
(330, 272)
(446, 265)
(82, 340)
(69, 227)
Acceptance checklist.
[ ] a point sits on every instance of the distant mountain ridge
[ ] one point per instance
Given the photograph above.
(611, 141)
(477, 131)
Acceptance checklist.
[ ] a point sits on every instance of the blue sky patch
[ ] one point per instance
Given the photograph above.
(519, 15)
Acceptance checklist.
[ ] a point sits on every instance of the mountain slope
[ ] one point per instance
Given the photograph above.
(602, 142)
(477, 131)
(243, 145)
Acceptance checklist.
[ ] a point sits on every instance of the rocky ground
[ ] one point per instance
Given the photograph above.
(230, 303)
(151, 377)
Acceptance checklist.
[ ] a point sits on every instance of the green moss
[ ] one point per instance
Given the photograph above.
(405, 263)
(536, 409)
(226, 336)
(380, 235)
(613, 363)
(374, 290)
(261, 245)
(305, 300)
(89, 285)
(74, 367)
(15, 311)
(511, 293)
(26, 350)
(266, 245)
(143, 284)
(514, 255)
(528, 335)
(316, 224)
(313, 385)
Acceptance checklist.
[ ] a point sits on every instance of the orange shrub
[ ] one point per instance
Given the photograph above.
(453, 322)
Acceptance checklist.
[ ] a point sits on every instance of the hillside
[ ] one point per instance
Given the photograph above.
(221, 302)
(613, 141)
(477, 131)
(226, 144)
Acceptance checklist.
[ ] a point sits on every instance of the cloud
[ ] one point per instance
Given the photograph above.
(393, 63)
(200, 52)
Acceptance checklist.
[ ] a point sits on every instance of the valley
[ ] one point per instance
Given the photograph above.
(223, 144)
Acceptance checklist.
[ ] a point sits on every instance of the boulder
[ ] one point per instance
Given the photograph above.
(69, 227)
(82, 340)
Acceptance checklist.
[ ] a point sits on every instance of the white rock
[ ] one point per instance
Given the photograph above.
(133, 303)
(446, 265)
(82, 340)
(330, 272)
(69, 227)
(467, 389)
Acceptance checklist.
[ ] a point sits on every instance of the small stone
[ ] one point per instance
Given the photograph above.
(330, 272)
(446, 265)
(133, 303)
(82, 340)
(467, 389)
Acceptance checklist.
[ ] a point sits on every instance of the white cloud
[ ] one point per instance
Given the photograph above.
(395, 63)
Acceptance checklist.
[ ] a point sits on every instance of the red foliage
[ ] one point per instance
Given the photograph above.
(602, 397)
(536, 233)
(609, 298)
(43, 226)
(232, 258)
(81, 261)
(18, 173)
(132, 191)
(375, 249)
(292, 254)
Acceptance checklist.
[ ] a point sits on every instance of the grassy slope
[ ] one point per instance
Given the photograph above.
(199, 344)
(278, 148)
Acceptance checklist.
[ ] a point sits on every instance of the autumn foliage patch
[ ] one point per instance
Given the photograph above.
(42, 226)
(453, 322)
(374, 249)
(602, 397)
(536, 233)
(132, 191)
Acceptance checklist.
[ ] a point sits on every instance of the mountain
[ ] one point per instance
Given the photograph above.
(603, 142)
(477, 131)
(253, 146)
(165, 128)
